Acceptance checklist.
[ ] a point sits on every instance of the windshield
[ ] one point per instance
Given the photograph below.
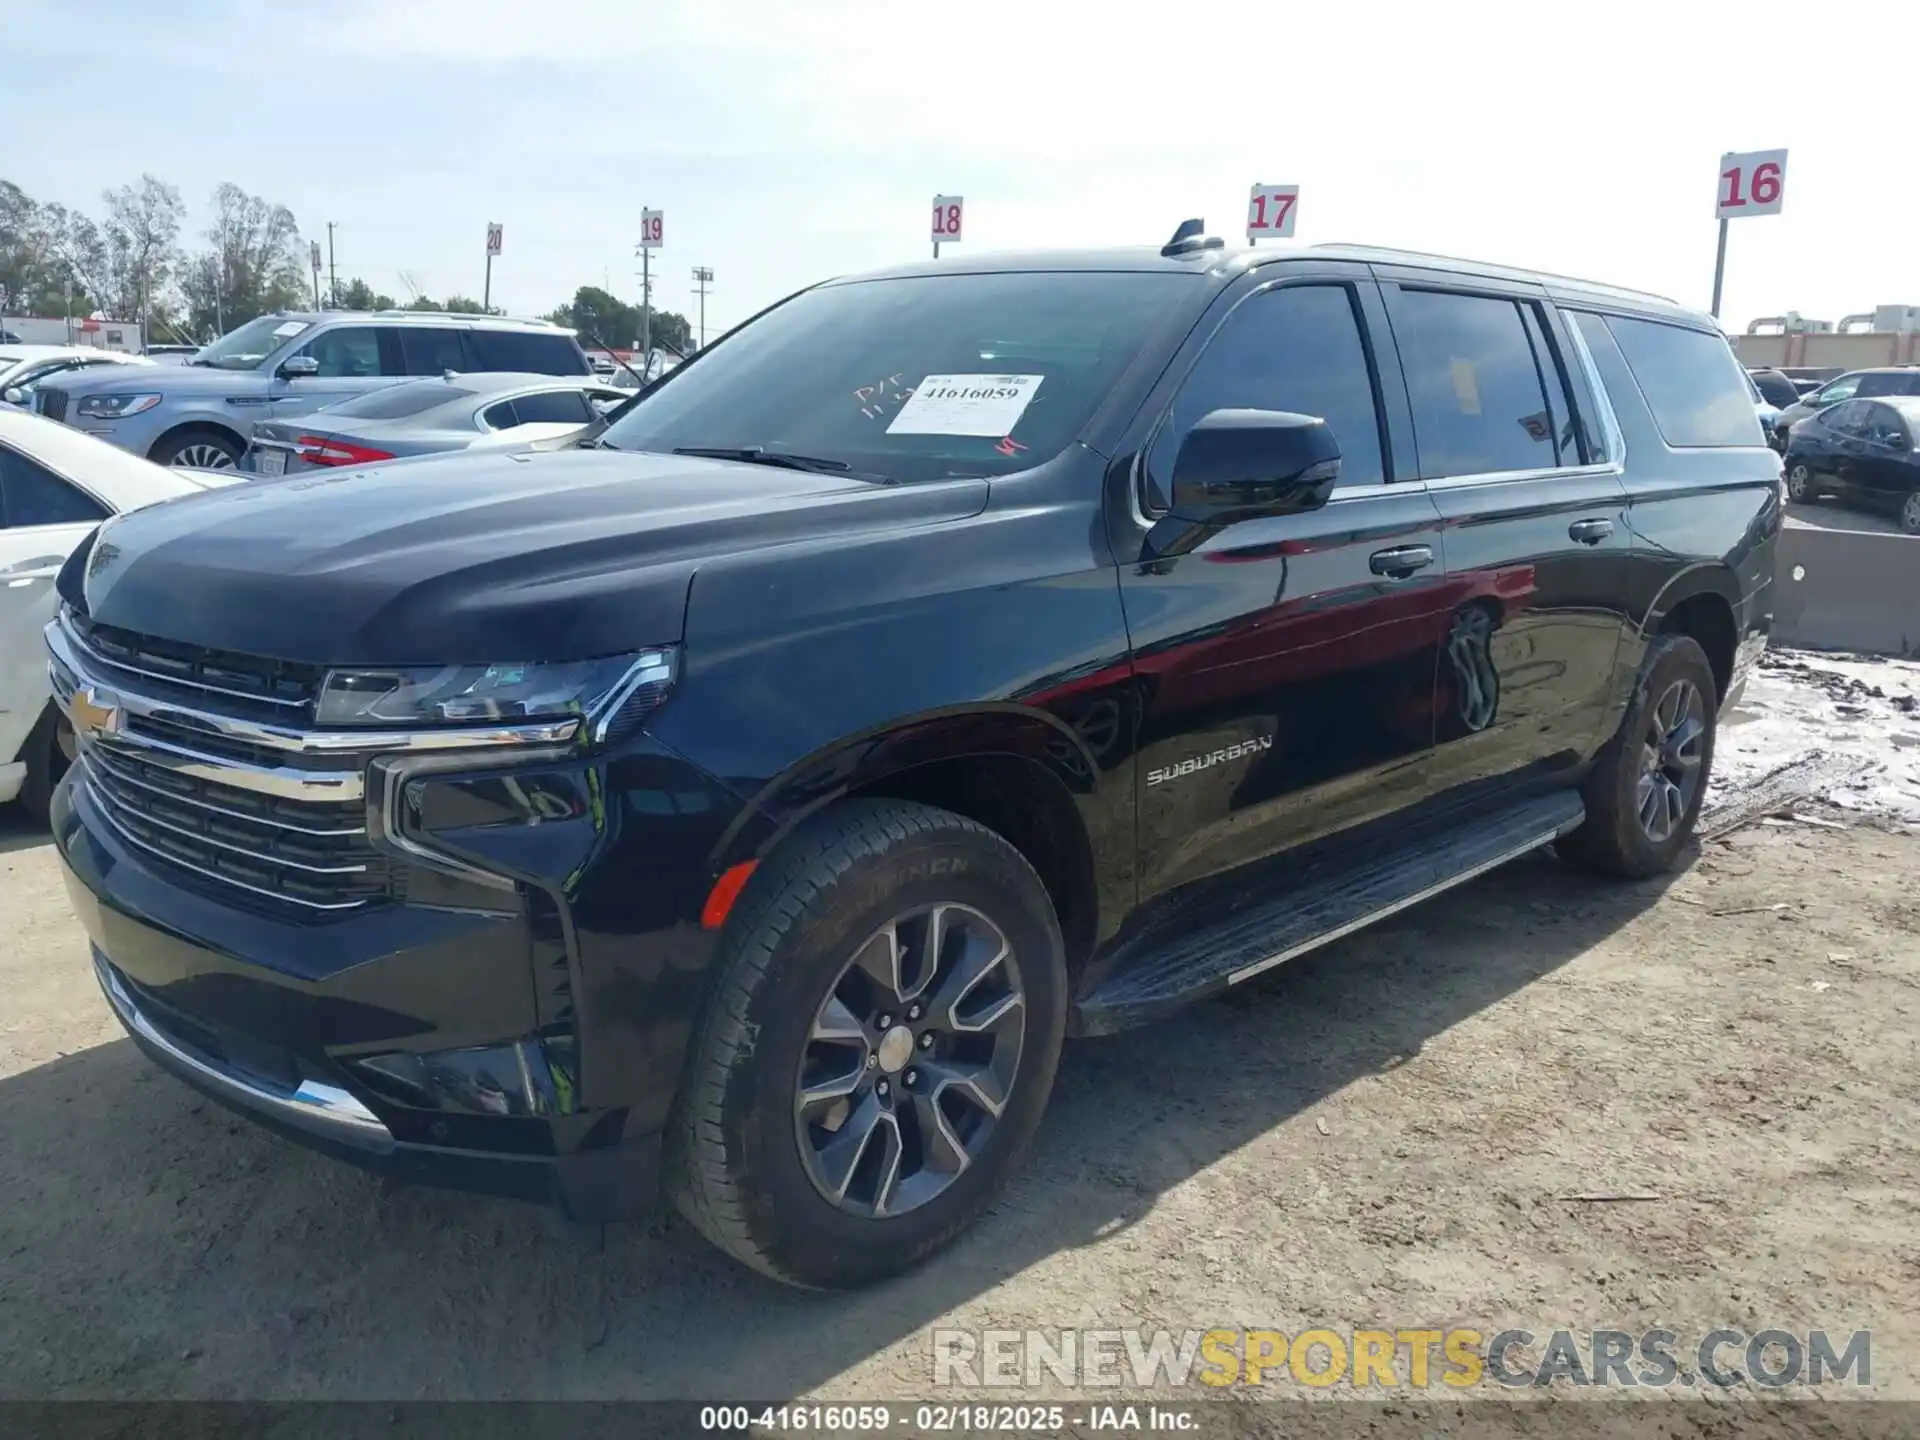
(245, 348)
(916, 378)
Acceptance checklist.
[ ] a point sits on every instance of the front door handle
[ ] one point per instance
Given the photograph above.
(1401, 561)
(1590, 532)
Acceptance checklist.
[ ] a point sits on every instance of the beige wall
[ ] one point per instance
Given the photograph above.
(1844, 352)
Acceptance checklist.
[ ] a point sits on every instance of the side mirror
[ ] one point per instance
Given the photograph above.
(14, 395)
(296, 367)
(1243, 464)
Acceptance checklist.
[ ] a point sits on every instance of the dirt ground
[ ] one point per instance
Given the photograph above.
(1385, 1133)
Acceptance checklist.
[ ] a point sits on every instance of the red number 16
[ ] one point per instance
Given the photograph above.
(1764, 190)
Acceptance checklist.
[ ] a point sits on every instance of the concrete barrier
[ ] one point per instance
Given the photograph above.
(1847, 590)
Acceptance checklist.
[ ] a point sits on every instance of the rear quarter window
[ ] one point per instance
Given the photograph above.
(396, 402)
(527, 352)
(1692, 383)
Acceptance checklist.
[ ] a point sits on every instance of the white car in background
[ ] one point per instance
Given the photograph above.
(24, 366)
(56, 484)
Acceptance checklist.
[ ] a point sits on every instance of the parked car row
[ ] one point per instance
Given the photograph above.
(1861, 451)
(24, 368)
(948, 660)
(200, 415)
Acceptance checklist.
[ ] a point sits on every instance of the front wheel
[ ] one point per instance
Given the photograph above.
(197, 450)
(1800, 485)
(1644, 794)
(887, 1014)
(1910, 513)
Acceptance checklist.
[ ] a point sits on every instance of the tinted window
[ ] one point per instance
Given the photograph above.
(33, 495)
(348, 352)
(1479, 405)
(1297, 348)
(1883, 425)
(1023, 360)
(431, 349)
(553, 407)
(397, 401)
(1844, 418)
(1566, 440)
(528, 352)
(501, 416)
(1694, 387)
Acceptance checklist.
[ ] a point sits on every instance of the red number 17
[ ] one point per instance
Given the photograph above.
(1281, 205)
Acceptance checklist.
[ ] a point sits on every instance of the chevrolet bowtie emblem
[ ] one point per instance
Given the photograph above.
(95, 712)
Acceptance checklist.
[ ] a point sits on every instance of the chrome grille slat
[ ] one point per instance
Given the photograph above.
(122, 767)
(130, 838)
(274, 682)
(267, 855)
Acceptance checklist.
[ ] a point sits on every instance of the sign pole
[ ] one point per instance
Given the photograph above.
(1719, 267)
(646, 313)
(486, 286)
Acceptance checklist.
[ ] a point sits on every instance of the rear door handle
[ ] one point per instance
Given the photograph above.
(1401, 561)
(1590, 532)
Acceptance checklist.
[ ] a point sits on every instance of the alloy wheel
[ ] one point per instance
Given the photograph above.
(910, 1061)
(1799, 483)
(201, 455)
(1671, 751)
(1910, 514)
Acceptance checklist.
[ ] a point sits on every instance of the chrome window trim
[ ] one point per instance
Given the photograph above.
(311, 1105)
(1504, 477)
(1616, 441)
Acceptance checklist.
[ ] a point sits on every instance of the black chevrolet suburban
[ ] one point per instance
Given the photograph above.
(748, 801)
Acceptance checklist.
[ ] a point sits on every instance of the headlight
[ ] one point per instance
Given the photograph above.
(114, 407)
(613, 694)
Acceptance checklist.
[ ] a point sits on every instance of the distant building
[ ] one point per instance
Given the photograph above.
(121, 335)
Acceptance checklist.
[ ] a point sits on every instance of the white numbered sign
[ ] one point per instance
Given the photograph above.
(313, 254)
(653, 229)
(947, 211)
(493, 239)
(1751, 184)
(1271, 210)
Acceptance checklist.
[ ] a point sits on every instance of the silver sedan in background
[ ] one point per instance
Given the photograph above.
(432, 417)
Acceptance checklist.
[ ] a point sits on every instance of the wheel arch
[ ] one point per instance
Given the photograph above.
(199, 423)
(1705, 603)
(1024, 773)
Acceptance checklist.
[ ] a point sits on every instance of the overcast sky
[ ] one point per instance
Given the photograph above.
(788, 140)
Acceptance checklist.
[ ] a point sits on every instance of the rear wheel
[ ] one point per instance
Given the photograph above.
(201, 449)
(48, 753)
(1800, 483)
(1644, 794)
(881, 1040)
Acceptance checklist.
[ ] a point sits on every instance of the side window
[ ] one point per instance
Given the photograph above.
(1692, 384)
(1844, 418)
(431, 349)
(1880, 383)
(1479, 403)
(553, 407)
(527, 351)
(1884, 427)
(1841, 389)
(499, 417)
(1296, 348)
(30, 494)
(350, 351)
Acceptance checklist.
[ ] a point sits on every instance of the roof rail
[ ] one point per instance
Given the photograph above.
(402, 310)
(1418, 255)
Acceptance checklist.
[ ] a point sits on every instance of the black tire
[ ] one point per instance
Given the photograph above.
(733, 1161)
(175, 448)
(1910, 513)
(1613, 840)
(46, 763)
(1803, 486)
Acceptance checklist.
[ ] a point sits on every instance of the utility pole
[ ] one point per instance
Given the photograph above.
(333, 275)
(702, 278)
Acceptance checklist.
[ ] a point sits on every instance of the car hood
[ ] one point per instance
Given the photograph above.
(471, 558)
(165, 379)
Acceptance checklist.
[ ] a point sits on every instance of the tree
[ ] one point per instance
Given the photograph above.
(595, 312)
(356, 294)
(30, 275)
(252, 266)
(141, 243)
(467, 305)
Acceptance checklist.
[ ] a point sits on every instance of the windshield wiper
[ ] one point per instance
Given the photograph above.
(758, 455)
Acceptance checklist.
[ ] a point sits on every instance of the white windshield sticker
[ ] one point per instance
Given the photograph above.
(290, 329)
(986, 405)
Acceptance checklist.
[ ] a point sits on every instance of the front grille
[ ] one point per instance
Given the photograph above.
(51, 403)
(282, 683)
(311, 855)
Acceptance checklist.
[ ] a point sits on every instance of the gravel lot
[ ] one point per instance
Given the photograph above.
(1381, 1134)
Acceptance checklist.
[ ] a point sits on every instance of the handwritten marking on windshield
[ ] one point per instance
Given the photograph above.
(874, 400)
